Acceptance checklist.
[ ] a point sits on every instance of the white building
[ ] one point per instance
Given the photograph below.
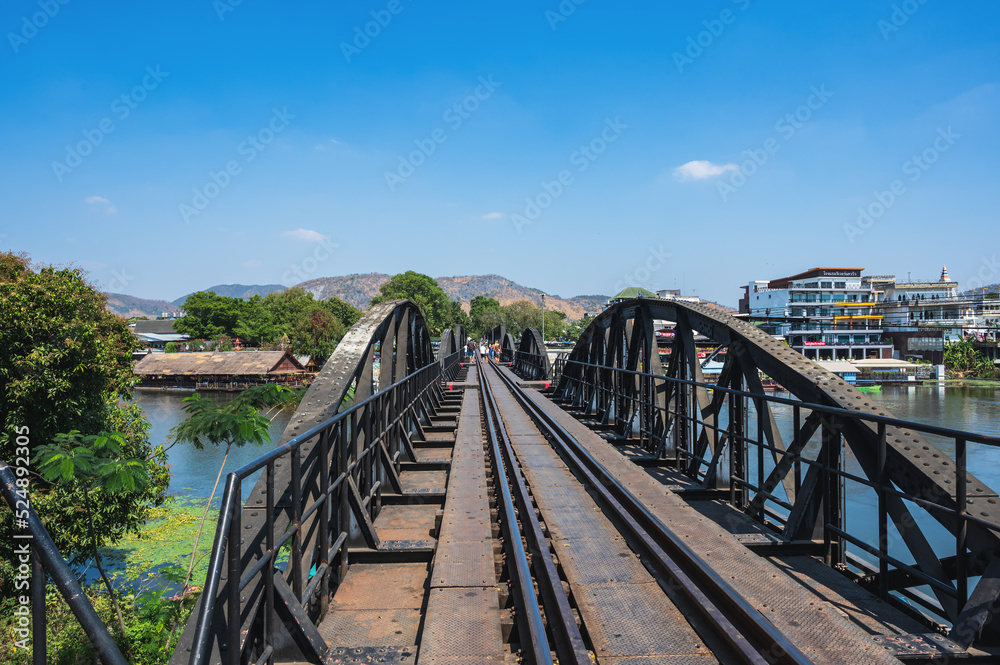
(824, 313)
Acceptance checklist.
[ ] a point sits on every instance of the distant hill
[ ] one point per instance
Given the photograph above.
(129, 306)
(237, 291)
(355, 289)
(360, 289)
(506, 291)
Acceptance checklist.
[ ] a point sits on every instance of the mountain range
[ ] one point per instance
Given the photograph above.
(359, 289)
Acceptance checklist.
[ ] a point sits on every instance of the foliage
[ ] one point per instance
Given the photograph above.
(425, 292)
(88, 463)
(62, 355)
(316, 333)
(146, 562)
(209, 316)
(524, 314)
(171, 347)
(266, 320)
(576, 328)
(962, 360)
(65, 365)
(485, 314)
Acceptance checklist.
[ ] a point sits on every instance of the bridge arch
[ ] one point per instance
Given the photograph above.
(613, 372)
(531, 361)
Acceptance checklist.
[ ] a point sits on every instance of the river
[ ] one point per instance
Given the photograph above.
(193, 471)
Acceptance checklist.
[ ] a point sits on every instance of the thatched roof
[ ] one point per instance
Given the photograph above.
(231, 363)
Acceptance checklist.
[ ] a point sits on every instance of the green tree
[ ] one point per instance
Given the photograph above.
(255, 325)
(485, 314)
(458, 316)
(962, 360)
(576, 328)
(345, 312)
(316, 333)
(65, 365)
(425, 292)
(89, 464)
(209, 316)
(523, 314)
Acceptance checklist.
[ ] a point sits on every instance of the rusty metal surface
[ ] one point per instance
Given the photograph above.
(384, 627)
(636, 620)
(464, 563)
(427, 481)
(462, 622)
(387, 655)
(406, 522)
(382, 586)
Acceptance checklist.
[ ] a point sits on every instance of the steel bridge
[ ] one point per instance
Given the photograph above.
(609, 507)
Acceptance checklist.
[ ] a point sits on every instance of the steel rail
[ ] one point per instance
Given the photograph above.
(523, 588)
(752, 637)
(570, 647)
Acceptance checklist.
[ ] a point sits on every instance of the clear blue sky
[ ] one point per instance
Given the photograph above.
(664, 196)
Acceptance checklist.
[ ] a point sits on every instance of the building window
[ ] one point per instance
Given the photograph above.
(840, 285)
(826, 285)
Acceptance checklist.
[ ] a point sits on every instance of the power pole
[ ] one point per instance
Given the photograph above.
(543, 318)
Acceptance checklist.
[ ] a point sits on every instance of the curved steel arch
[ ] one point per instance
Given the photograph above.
(623, 338)
(390, 343)
(453, 340)
(531, 361)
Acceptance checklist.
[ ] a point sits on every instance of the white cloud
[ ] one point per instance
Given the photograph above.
(100, 201)
(493, 215)
(701, 169)
(305, 234)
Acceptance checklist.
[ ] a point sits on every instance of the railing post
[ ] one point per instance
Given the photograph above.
(324, 515)
(961, 558)
(233, 651)
(296, 555)
(883, 516)
(758, 403)
(269, 571)
(344, 509)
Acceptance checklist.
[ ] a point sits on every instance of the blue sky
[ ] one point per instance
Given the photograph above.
(165, 147)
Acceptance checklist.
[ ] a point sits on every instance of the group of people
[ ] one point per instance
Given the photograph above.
(485, 348)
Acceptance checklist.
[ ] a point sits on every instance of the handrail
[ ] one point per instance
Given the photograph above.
(44, 550)
(425, 376)
(832, 410)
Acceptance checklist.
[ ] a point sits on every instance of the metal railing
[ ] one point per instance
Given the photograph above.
(752, 461)
(531, 366)
(349, 463)
(36, 551)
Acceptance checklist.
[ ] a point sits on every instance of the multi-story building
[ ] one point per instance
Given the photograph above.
(824, 313)
(923, 304)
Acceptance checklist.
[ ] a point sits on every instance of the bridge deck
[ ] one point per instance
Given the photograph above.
(436, 590)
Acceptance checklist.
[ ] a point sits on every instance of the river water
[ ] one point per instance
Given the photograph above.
(193, 471)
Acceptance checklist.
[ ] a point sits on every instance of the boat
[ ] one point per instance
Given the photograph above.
(870, 389)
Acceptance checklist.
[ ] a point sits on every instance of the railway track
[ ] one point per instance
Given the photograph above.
(711, 621)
